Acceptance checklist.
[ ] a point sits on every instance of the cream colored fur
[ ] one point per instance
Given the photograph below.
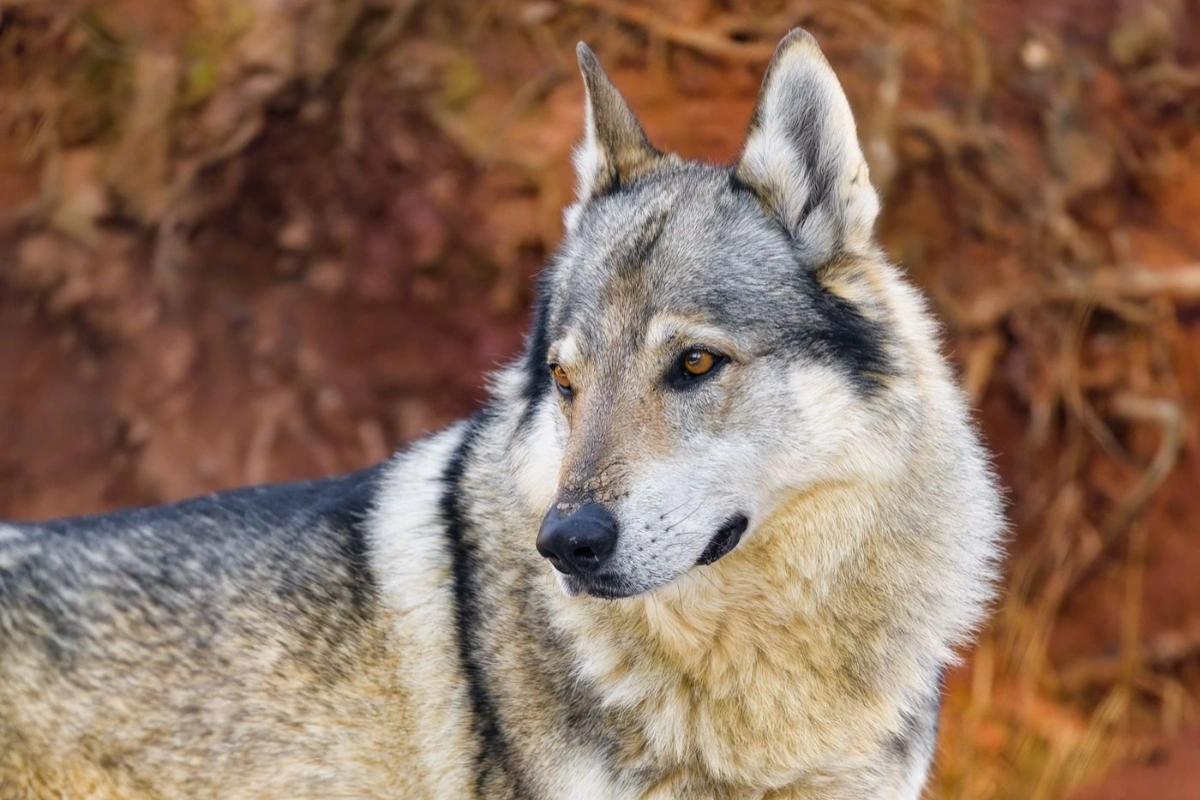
(442, 658)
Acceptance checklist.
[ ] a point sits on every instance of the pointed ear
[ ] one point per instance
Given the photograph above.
(614, 148)
(801, 155)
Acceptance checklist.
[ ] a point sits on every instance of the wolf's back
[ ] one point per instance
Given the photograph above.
(160, 636)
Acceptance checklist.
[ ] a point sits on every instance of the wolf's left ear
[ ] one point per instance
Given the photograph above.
(614, 147)
(801, 155)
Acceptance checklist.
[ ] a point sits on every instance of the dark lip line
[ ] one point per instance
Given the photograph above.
(606, 590)
(725, 541)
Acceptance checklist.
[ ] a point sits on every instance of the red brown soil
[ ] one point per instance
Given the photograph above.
(347, 276)
(1172, 774)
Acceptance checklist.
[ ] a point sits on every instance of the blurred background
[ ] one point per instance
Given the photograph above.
(257, 240)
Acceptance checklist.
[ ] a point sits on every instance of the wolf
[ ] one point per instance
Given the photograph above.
(717, 533)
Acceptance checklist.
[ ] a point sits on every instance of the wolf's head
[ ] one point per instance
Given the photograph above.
(708, 340)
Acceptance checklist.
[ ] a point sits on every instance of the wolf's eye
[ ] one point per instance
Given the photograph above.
(698, 362)
(693, 367)
(561, 379)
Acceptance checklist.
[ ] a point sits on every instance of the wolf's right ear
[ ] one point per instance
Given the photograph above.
(801, 155)
(614, 147)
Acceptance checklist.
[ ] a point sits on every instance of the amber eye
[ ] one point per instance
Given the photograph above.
(699, 362)
(560, 377)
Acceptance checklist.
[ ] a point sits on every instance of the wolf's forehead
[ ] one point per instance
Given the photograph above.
(690, 246)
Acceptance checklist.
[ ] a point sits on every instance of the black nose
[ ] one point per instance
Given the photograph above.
(581, 543)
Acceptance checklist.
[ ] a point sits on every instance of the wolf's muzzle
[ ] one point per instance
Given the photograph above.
(581, 543)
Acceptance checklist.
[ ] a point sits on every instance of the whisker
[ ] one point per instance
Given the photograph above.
(699, 506)
(673, 510)
(708, 578)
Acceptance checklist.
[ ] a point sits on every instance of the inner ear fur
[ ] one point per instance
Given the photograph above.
(802, 158)
(615, 149)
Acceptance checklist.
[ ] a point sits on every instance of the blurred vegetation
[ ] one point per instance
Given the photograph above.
(285, 237)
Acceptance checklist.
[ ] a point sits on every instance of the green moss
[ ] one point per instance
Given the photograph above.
(460, 82)
(201, 70)
(208, 47)
(97, 88)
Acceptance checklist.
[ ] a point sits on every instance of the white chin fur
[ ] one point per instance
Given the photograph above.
(537, 460)
(566, 587)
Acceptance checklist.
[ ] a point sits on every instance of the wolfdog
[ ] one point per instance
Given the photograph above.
(717, 534)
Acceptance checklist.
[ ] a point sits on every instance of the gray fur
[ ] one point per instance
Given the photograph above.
(395, 633)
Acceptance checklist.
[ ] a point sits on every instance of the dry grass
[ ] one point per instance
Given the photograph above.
(1009, 154)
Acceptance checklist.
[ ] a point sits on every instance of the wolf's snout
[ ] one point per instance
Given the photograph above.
(581, 543)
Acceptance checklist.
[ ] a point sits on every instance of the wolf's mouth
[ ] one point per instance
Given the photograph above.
(604, 587)
(725, 540)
